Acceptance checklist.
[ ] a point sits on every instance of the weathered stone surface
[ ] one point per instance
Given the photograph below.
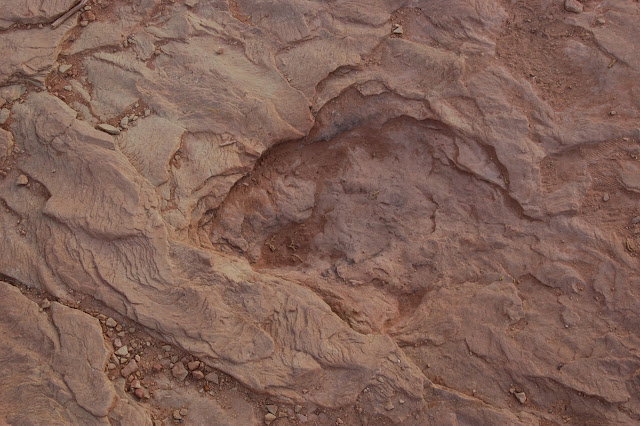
(13, 92)
(6, 144)
(31, 11)
(203, 409)
(29, 54)
(4, 115)
(330, 210)
(150, 146)
(52, 368)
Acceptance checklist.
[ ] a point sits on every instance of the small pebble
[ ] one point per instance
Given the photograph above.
(22, 180)
(109, 129)
(605, 197)
(179, 372)
(88, 16)
(130, 368)
(141, 393)
(213, 378)
(573, 6)
(273, 409)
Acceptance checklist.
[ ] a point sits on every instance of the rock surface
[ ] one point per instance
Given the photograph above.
(52, 366)
(385, 211)
(31, 11)
(6, 144)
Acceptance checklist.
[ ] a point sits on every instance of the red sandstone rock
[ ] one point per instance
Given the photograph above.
(331, 211)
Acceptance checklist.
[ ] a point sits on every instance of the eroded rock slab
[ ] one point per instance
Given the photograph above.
(420, 212)
(53, 365)
(309, 335)
(32, 60)
(31, 11)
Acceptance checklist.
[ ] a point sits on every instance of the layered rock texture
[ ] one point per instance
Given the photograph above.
(321, 212)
